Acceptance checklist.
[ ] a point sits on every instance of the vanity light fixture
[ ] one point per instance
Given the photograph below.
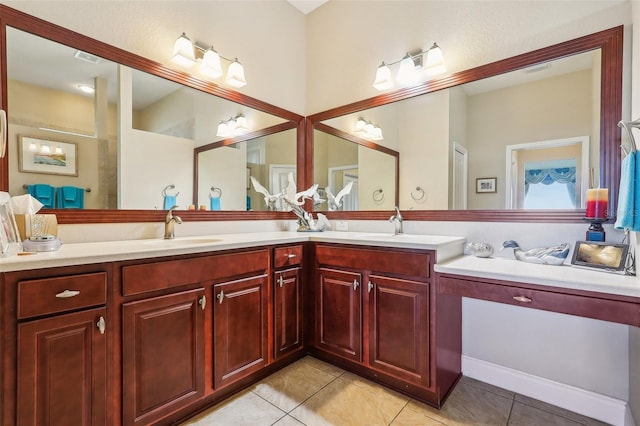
(235, 126)
(367, 130)
(410, 64)
(187, 53)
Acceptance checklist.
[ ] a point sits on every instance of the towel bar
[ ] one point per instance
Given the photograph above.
(627, 126)
(25, 186)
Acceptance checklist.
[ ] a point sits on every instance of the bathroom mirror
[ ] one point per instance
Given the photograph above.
(572, 91)
(224, 169)
(342, 159)
(141, 116)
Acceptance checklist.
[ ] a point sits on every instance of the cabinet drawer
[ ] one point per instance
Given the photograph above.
(555, 301)
(61, 294)
(287, 256)
(147, 277)
(409, 264)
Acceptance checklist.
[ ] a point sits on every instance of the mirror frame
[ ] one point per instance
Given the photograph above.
(611, 44)
(25, 22)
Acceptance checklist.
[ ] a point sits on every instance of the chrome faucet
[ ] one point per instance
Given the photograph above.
(169, 221)
(397, 221)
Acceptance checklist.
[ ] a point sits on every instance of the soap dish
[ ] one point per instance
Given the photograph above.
(42, 245)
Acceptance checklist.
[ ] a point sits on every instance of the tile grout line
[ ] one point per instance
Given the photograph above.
(399, 411)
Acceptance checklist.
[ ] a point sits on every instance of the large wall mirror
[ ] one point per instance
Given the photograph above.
(511, 140)
(123, 131)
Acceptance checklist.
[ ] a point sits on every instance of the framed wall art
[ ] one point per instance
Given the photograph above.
(47, 156)
(486, 185)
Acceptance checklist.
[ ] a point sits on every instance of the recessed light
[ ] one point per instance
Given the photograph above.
(85, 88)
(87, 57)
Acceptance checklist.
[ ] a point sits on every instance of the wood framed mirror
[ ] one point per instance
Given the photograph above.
(16, 25)
(609, 45)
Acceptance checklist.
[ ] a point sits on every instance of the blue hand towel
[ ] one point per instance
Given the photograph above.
(43, 193)
(70, 197)
(628, 213)
(170, 201)
(215, 203)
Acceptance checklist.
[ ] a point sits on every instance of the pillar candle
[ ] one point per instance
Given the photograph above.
(597, 203)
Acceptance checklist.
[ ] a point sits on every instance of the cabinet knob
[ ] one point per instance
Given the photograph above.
(280, 281)
(370, 286)
(220, 297)
(101, 324)
(523, 299)
(67, 293)
(203, 302)
(355, 284)
(291, 256)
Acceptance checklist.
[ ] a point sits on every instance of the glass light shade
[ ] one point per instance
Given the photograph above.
(210, 65)
(407, 73)
(33, 147)
(383, 78)
(223, 129)
(435, 61)
(377, 134)
(85, 88)
(58, 150)
(235, 74)
(183, 52)
(45, 149)
(360, 125)
(242, 126)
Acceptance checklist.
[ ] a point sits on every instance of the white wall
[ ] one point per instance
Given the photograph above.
(470, 33)
(634, 332)
(268, 37)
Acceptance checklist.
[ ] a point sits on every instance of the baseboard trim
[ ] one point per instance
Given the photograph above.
(604, 408)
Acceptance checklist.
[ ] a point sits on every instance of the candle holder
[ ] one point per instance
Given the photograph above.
(595, 231)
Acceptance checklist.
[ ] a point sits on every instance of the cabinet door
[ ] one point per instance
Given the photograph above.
(339, 313)
(62, 370)
(240, 329)
(399, 328)
(287, 311)
(163, 355)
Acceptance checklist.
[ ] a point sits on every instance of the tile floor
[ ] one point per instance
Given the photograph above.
(313, 393)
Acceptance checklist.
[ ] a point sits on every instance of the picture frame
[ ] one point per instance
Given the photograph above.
(601, 255)
(47, 156)
(486, 185)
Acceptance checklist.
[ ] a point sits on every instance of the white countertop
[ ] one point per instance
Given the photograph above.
(110, 251)
(565, 276)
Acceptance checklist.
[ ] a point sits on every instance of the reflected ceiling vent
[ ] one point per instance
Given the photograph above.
(538, 68)
(87, 57)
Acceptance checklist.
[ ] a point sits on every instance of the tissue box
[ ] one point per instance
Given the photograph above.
(31, 225)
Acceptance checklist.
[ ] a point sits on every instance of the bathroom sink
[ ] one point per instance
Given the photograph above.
(402, 238)
(179, 242)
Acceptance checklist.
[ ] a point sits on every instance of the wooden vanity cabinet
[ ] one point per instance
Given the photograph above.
(375, 314)
(163, 355)
(55, 334)
(287, 300)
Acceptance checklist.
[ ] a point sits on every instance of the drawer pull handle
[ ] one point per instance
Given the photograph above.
(280, 281)
(291, 256)
(102, 325)
(220, 297)
(523, 299)
(203, 302)
(370, 286)
(67, 293)
(355, 284)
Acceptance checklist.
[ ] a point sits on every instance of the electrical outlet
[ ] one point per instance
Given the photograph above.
(342, 226)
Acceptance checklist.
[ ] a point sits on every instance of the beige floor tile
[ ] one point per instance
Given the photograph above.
(408, 417)
(291, 386)
(469, 405)
(370, 386)
(321, 365)
(526, 415)
(245, 409)
(558, 411)
(288, 421)
(487, 386)
(345, 403)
